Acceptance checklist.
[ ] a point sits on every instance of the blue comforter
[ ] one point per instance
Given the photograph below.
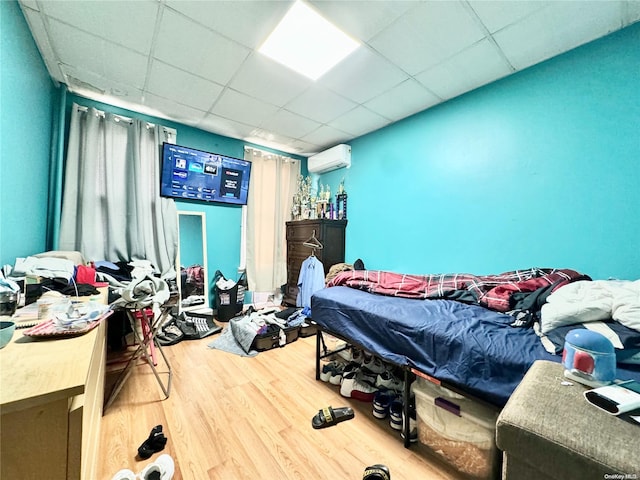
(467, 346)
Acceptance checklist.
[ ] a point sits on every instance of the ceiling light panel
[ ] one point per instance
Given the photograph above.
(246, 22)
(307, 43)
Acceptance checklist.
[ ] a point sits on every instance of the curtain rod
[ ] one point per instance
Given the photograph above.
(265, 153)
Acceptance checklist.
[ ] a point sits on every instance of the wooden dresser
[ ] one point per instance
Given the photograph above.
(330, 233)
(51, 397)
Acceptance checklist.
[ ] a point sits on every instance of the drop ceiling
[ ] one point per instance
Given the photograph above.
(196, 62)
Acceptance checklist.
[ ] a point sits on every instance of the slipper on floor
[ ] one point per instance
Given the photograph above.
(330, 416)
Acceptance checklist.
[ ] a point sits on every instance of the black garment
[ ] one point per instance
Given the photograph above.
(527, 305)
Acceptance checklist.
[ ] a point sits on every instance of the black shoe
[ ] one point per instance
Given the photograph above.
(376, 472)
(153, 444)
(358, 265)
(170, 334)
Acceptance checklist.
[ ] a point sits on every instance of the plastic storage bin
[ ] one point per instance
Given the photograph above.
(457, 429)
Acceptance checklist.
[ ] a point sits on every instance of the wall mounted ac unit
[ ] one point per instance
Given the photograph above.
(332, 159)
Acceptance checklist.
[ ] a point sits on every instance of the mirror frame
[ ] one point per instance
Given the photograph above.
(204, 265)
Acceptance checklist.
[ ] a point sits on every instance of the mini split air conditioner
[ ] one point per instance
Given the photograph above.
(332, 159)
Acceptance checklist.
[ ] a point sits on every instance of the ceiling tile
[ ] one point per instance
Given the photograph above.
(90, 81)
(242, 108)
(496, 15)
(271, 140)
(91, 54)
(362, 75)
(300, 146)
(247, 22)
(32, 4)
(124, 65)
(359, 121)
(290, 124)
(224, 126)
(557, 28)
(320, 104)
(77, 48)
(471, 68)
(326, 136)
(277, 85)
(40, 35)
(427, 34)
(631, 12)
(190, 46)
(105, 19)
(403, 100)
(182, 87)
(358, 22)
(177, 112)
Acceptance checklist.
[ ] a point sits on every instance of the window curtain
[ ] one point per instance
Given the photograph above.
(111, 204)
(273, 183)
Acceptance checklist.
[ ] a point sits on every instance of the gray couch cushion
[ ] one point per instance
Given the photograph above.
(552, 428)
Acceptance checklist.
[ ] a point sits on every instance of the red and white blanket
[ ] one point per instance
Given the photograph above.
(490, 291)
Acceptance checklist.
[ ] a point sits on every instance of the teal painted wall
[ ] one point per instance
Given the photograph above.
(539, 169)
(27, 104)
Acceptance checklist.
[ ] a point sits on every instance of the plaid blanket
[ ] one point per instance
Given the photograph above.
(491, 291)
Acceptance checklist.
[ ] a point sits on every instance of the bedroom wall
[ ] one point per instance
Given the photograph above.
(28, 97)
(538, 169)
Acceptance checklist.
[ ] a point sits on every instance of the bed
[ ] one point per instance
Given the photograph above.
(469, 348)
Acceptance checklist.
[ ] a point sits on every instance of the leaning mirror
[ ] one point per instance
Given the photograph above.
(191, 261)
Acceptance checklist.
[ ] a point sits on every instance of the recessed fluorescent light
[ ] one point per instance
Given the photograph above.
(307, 43)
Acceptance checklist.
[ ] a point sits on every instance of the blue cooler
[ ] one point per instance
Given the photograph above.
(589, 358)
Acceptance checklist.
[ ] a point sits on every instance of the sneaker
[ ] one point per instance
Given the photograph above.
(125, 474)
(357, 356)
(373, 364)
(389, 381)
(395, 414)
(352, 354)
(169, 334)
(381, 403)
(162, 469)
(413, 429)
(352, 387)
(332, 372)
(367, 376)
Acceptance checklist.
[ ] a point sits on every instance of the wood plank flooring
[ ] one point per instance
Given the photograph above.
(235, 418)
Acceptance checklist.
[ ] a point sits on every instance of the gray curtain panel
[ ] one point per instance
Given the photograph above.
(111, 204)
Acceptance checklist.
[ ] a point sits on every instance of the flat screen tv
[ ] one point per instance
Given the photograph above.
(192, 174)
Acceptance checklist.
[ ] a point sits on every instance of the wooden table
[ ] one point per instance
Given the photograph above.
(51, 399)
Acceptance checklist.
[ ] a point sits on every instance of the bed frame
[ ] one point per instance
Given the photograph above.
(409, 374)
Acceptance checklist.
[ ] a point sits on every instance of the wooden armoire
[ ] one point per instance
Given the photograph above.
(330, 233)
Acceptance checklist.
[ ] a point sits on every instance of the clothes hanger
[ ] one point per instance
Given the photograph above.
(313, 243)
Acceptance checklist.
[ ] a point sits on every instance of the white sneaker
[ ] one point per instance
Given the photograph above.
(389, 381)
(351, 387)
(124, 474)
(162, 469)
(374, 364)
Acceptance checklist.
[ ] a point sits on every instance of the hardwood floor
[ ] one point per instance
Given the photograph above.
(233, 418)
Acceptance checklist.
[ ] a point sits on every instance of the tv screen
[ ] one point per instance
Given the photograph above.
(193, 174)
